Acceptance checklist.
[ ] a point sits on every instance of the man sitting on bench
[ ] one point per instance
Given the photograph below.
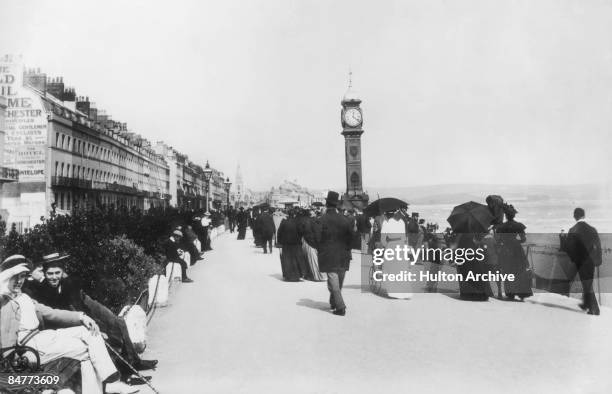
(80, 339)
(61, 292)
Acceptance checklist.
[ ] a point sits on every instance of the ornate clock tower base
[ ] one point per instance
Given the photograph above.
(352, 122)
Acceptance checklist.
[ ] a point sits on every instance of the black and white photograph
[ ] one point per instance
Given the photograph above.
(305, 196)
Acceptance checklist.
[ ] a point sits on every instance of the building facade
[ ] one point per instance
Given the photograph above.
(292, 194)
(69, 154)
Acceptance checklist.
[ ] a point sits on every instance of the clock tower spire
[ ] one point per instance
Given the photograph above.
(351, 117)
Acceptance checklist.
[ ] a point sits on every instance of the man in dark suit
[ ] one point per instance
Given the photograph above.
(583, 246)
(267, 229)
(333, 243)
(174, 256)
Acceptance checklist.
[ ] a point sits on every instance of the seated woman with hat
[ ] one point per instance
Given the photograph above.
(80, 339)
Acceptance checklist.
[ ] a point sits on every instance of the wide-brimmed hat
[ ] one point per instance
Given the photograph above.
(11, 262)
(177, 233)
(54, 260)
(332, 198)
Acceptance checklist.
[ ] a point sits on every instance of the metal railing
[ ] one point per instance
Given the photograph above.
(71, 182)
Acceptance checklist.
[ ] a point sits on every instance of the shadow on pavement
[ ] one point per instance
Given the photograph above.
(551, 305)
(308, 303)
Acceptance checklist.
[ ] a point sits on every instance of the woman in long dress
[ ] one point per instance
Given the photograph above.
(512, 259)
(291, 256)
(472, 290)
(242, 219)
(308, 247)
(392, 234)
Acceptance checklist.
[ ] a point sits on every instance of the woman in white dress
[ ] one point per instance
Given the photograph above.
(392, 234)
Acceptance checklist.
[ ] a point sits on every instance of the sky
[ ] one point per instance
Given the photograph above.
(471, 91)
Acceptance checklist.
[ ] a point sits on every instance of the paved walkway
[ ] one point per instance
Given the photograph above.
(240, 329)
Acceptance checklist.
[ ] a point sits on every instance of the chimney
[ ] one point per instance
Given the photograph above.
(83, 105)
(93, 110)
(36, 79)
(102, 117)
(55, 87)
(69, 95)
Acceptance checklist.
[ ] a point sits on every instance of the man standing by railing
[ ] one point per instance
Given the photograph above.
(583, 246)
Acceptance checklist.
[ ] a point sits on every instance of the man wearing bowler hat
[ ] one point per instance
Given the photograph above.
(333, 243)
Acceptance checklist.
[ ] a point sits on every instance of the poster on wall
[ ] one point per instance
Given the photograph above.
(25, 124)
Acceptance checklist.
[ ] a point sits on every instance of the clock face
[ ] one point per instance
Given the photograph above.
(352, 117)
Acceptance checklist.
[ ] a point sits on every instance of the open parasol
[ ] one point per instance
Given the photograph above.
(383, 205)
(470, 217)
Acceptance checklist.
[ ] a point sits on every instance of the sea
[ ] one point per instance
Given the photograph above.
(550, 216)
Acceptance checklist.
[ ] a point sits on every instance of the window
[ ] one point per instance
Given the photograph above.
(68, 170)
(62, 173)
(56, 174)
(63, 140)
(79, 147)
(68, 145)
(57, 135)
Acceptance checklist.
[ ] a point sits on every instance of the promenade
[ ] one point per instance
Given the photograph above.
(240, 329)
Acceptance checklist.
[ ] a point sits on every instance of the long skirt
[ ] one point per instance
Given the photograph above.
(313, 263)
(512, 260)
(399, 290)
(474, 290)
(241, 232)
(293, 262)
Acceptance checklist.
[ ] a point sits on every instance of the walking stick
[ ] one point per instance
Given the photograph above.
(130, 366)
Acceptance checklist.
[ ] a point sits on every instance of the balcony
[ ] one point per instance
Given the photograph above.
(115, 187)
(9, 175)
(76, 183)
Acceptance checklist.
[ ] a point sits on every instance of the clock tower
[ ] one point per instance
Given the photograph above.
(351, 117)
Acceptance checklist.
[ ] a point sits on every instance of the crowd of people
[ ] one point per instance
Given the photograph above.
(45, 308)
(316, 244)
(503, 243)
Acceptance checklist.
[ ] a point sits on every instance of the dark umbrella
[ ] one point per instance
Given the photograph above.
(317, 204)
(470, 217)
(383, 205)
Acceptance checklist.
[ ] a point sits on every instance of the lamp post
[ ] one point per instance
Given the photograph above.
(207, 176)
(228, 185)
